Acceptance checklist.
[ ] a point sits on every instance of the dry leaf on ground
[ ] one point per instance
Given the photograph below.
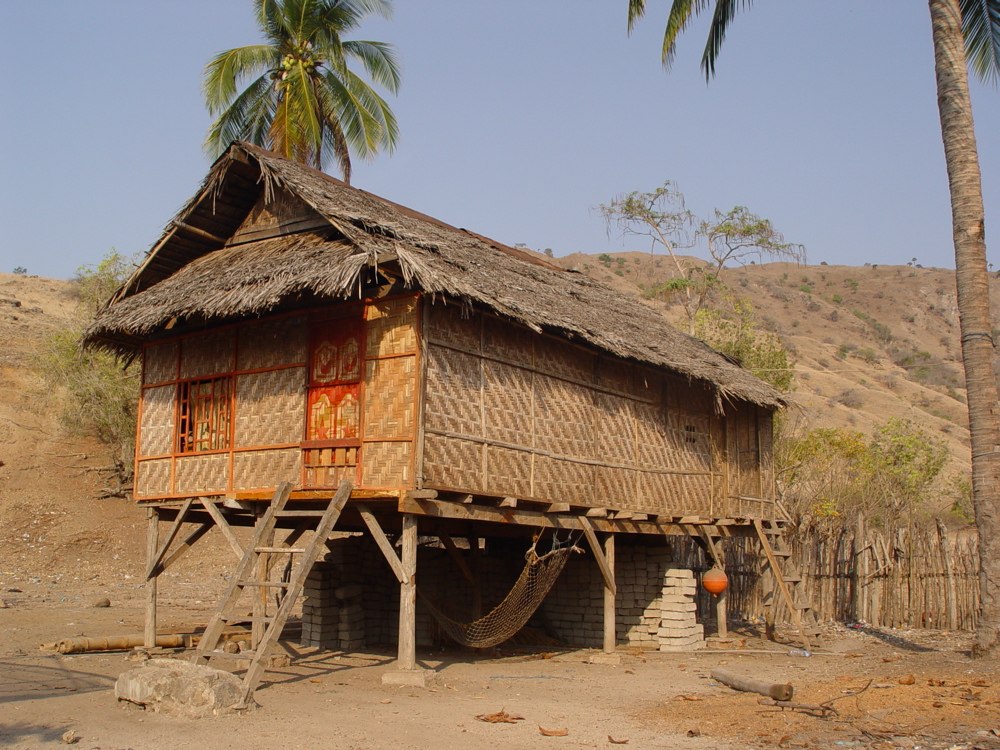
(560, 732)
(500, 717)
(613, 741)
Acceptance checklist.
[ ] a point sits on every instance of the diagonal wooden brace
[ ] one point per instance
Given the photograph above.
(383, 543)
(154, 564)
(595, 547)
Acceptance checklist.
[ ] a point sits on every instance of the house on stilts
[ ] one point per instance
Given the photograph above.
(465, 401)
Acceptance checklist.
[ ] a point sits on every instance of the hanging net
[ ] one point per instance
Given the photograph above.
(511, 614)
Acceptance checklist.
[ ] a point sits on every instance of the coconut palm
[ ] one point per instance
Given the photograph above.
(300, 98)
(965, 32)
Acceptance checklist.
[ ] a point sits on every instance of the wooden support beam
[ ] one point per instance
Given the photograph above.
(610, 638)
(523, 517)
(383, 544)
(408, 597)
(508, 502)
(200, 233)
(456, 557)
(597, 513)
(606, 570)
(224, 527)
(152, 532)
(184, 546)
(710, 545)
(154, 564)
(558, 508)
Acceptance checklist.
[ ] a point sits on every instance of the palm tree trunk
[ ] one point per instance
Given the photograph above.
(973, 306)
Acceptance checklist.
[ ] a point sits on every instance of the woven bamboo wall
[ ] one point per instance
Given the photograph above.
(266, 364)
(511, 412)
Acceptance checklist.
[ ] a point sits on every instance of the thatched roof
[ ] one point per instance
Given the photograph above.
(192, 275)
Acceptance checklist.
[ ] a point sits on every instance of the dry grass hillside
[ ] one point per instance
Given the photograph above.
(868, 344)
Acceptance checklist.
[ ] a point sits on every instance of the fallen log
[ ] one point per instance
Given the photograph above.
(116, 643)
(775, 690)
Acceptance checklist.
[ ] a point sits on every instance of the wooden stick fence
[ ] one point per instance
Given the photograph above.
(925, 577)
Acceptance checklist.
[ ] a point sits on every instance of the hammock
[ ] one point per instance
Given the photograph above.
(511, 614)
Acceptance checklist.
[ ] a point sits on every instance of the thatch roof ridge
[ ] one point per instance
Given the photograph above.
(432, 255)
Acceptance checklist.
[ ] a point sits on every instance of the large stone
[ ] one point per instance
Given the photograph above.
(179, 688)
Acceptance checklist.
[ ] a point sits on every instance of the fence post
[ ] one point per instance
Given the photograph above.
(949, 576)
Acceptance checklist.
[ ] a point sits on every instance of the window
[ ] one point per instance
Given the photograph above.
(204, 415)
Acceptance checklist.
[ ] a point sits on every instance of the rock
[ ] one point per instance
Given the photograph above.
(101, 603)
(179, 688)
(70, 737)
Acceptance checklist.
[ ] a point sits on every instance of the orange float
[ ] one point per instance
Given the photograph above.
(715, 581)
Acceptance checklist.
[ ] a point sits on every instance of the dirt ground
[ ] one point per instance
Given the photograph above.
(918, 690)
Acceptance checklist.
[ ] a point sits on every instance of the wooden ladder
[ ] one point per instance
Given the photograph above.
(259, 553)
(787, 584)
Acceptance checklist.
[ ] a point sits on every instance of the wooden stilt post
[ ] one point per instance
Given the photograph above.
(407, 672)
(477, 587)
(610, 639)
(152, 540)
(721, 616)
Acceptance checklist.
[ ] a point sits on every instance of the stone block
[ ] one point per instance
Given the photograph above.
(179, 688)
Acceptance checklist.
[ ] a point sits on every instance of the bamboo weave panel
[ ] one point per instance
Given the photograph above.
(565, 418)
(201, 473)
(452, 463)
(156, 430)
(507, 403)
(688, 395)
(265, 469)
(152, 478)
(565, 481)
(508, 342)
(617, 488)
(674, 494)
(565, 360)
(508, 472)
(160, 363)
(391, 327)
(208, 354)
(390, 398)
(615, 429)
(453, 392)
(270, 407)
(446, 325)
(386, 465)
(272, 343)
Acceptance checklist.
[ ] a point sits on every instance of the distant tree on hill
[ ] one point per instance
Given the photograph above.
(302, 99)
(735, 236)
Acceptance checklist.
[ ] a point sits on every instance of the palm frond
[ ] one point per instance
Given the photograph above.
(225, 70)
(379, 59)
(981, 29)
(725, 12)
(247, 118)
(636, 10)
(681, 14)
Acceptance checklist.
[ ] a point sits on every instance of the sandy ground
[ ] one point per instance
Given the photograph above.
(922, 691)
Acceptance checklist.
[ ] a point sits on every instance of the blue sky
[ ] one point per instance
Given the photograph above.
(517, 120)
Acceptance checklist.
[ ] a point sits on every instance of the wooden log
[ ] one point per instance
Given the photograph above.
(777, 690)
(951, 599)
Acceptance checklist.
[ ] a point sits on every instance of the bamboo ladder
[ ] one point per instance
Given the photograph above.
(258, 557)
(787, 584)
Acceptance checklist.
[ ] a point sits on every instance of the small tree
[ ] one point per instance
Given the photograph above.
(102, 395)
(736, 236)
(736, 334)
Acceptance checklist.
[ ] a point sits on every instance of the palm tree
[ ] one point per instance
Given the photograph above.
(302, 99)
(966, 32)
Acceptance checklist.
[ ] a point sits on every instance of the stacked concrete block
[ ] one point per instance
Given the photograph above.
(679, 629)
(320, 611)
